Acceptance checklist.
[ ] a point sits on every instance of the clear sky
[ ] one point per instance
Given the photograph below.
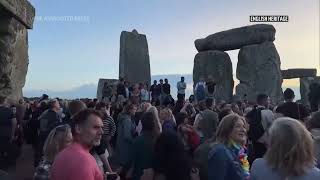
(65, 54)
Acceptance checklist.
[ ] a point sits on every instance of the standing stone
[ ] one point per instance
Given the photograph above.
(258, 71)
(101, 85)
(134, 58)
(218, 65)
(298, 73)
(15, 18)
(304, 88)
(236, 38)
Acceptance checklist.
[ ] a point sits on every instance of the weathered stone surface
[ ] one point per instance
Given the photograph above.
(110, 82)
(236, 38)
(298, 73)
(304, 88)
(22, 10)
(218, 65)
(13, 57)
(134, 58)
(258, 71)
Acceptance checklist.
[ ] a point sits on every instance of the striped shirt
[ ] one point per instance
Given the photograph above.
(109, 127)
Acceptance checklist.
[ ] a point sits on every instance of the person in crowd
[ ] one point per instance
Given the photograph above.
(142, 148)
(121, 88)
(157, 122)
(166, 89)
(228, 157)
(260, 119)
(75, 162)
(144, 93)
(224, 112)
(162, 94)
(206, 121)
(189, 109)
(186, 132)
(181, 86)
(75, 106)
(135, 95)
(171, 161)
(109, 128)
(138, 115)
(126, 133)
(8, 124)
(106, 92)
(314, 127)
(291, 108)
(168, 120)
(210, 84)
(155, 93)
(290, 153)
(58, 139)
(200, 90)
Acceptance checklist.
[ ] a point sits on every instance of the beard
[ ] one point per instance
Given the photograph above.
(96, 142)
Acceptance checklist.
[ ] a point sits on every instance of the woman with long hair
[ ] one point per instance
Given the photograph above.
(227, 158)
(290, 155)
(58, 139)
(157, 123)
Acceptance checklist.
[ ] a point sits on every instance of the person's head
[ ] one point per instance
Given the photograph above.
(166, 81)
(170, 154)
(148, 124)
(58, 139)
(191, 98)
(101, 106)
(288, 95)
(209, 103)
(181, 118)
(161, 81)
(291, 150)
(76, 106)
(121, 80)
(263, 100)
(130, 109)
(2, 99)
(54, 105)
(232, 128)
(87, 128)
(166, 114)
(182, 79)
(156, 119)
(145, 106)
(224, 112)
(155, 82)
(314, 122)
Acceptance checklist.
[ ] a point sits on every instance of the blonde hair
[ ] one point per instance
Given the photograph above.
(157, 123)
(55, 141)
(226, 126)
(291, 148)
(166, 114)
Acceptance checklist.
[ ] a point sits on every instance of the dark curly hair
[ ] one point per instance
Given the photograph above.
(171, 159)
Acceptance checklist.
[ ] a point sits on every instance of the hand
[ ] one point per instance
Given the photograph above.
(195, 174)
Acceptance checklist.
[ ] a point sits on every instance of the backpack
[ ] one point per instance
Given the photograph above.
(200, 92)
(256, 130)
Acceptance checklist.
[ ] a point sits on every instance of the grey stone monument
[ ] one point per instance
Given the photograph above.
(134, 58)
(305, 83)
(258, 71)
(216, 64)
(16, 16)
(237, 37)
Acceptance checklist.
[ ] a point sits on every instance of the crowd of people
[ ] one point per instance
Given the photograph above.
(142, 133)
